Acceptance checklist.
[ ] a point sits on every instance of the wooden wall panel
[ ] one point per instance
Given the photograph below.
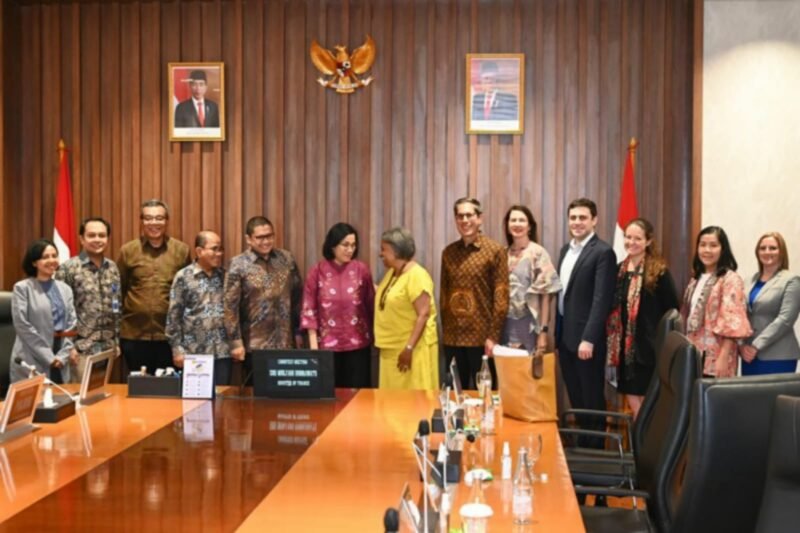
(596, 72)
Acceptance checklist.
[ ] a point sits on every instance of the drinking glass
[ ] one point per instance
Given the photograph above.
(532, 442)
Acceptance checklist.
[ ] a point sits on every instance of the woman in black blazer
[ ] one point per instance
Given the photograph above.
(773, 303)
(644, 292)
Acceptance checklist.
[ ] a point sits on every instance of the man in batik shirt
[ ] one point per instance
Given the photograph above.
(263, 293)
(473, 293)
(94, 280)
(195, 317)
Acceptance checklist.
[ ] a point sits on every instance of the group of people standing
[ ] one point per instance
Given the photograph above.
(155, 305)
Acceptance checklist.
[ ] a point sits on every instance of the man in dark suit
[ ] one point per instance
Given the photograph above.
(197, 111)
(587, 268)
(490, 103)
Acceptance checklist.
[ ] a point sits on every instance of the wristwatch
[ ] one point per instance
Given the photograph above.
(544, 329)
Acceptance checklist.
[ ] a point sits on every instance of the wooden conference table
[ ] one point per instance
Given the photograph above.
(134, 464)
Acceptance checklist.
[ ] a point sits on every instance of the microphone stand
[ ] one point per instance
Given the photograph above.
(33, 371)
(245, 379)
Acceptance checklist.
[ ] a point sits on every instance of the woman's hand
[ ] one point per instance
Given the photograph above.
(749, 352)
(541, 342)
(404, 360)
(721, 366)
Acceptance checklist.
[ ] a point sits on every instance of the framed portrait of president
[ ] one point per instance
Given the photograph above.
(495, 93)
(197, 101)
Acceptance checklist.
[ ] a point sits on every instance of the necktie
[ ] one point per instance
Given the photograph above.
(201, 114)
(487, 105)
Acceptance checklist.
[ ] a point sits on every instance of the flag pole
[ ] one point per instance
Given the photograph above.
(64, 234)
(632, 146)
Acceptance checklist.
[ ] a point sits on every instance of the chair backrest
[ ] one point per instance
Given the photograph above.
(7, 337)
(671, 321)
(780, 505)
(726, 453)
(664, 439)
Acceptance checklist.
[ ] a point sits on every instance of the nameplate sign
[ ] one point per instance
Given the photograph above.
(293, 374)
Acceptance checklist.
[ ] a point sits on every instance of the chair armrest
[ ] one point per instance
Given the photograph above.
(594, 433)
(612, 491)
(601, 460)
(621, 419)
(595, 412)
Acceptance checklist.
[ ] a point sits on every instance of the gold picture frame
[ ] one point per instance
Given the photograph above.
(196, 96)
(495, 94)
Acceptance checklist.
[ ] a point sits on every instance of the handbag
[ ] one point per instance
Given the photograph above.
(527, 386)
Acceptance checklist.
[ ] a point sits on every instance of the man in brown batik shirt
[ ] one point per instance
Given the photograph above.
(263, 293)
(147, 266)
(474, 293)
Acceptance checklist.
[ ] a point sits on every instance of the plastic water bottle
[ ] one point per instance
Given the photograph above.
(484, 385)
(484, 379)
(506, 461)
(522, 499)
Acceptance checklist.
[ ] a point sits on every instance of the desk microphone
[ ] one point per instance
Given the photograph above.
(455, 441)
(391, 520)
(424, 430)
(35, 372)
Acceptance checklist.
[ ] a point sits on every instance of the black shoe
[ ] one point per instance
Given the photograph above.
(600, 501)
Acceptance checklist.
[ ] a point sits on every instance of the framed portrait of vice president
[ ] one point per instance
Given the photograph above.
(495, 93)
(197, 101)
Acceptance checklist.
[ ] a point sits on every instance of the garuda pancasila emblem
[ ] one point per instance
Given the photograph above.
(344, 69)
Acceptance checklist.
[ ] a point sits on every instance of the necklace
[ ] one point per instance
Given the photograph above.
(385, 293)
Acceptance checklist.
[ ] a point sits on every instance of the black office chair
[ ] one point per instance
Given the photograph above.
(726, 459)
(780, 505)
(615, 467)
(7, 337)
(663, 441)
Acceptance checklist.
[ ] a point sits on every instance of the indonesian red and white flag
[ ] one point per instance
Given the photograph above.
(64, 234)
(627, 202)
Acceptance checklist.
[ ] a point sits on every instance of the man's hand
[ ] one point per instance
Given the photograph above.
(488, 347)
(177, 358)
(238, 353)
(585, 350)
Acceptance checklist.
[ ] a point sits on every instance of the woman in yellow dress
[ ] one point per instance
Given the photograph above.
(405, 318)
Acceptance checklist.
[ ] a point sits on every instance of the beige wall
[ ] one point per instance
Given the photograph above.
(751, 123)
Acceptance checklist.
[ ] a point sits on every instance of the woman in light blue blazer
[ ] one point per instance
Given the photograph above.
(44, 316)
(773, 306)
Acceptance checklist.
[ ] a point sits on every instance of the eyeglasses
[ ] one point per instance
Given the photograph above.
(347, 245)
(216, 249)
(267, 237)
(151, 218)
(465, 216)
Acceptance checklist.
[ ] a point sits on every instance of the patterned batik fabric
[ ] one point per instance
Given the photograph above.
(338, 302)
(97, 301)
(146, 275)
(474, 292)
(195, 321)
(262, 300)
